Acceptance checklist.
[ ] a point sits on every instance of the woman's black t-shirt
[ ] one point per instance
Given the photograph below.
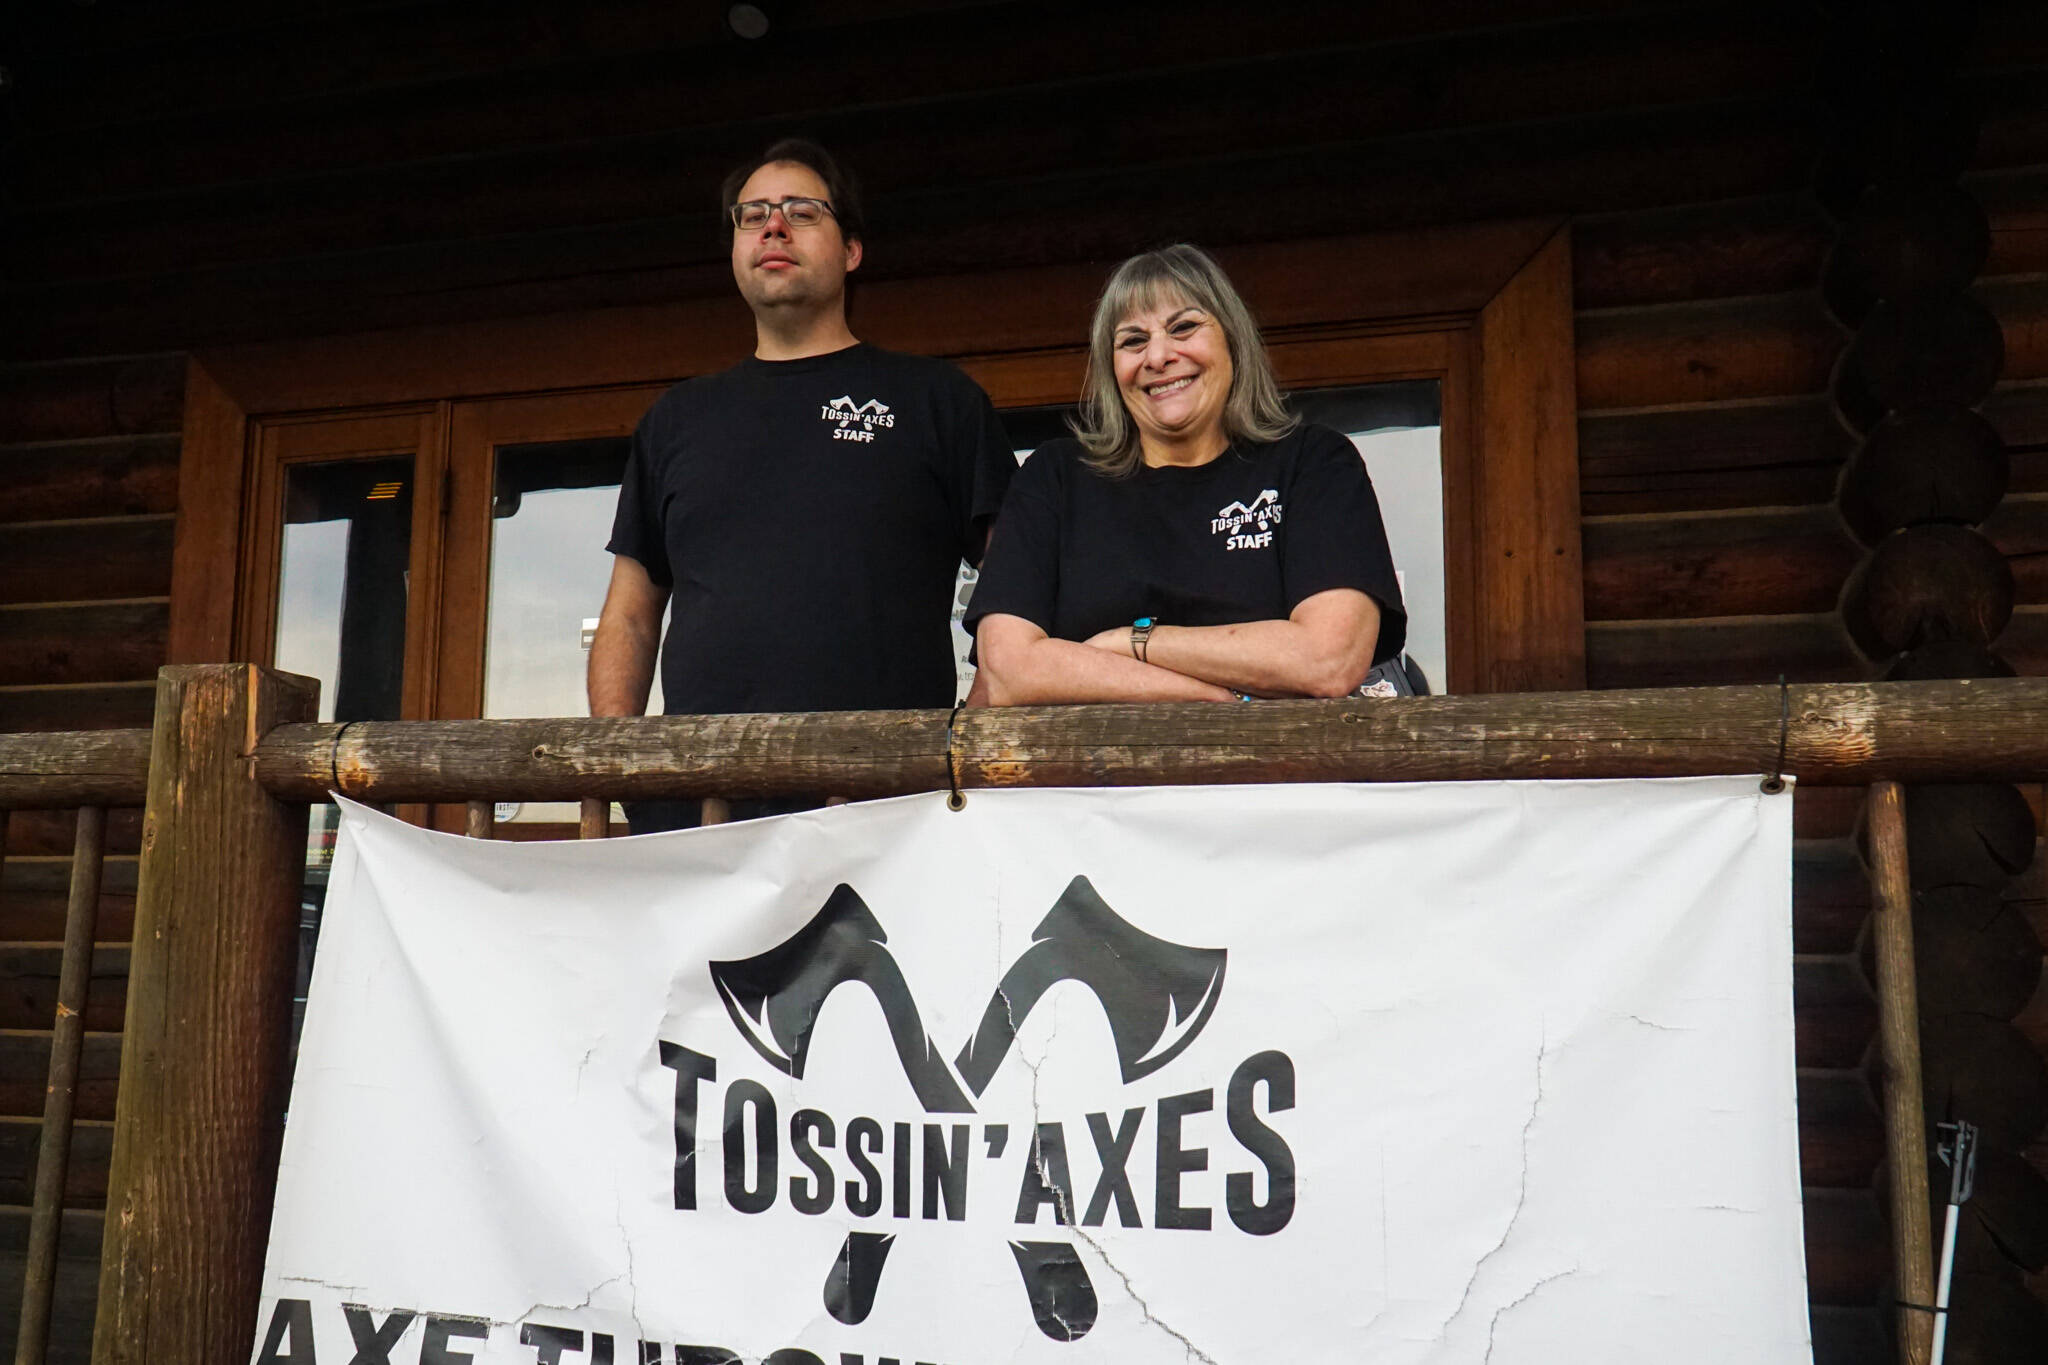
(1245, 537)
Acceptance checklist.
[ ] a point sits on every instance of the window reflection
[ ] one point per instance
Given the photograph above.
(341, 604)
(552, 506)
(1398, 429)
(342, 586)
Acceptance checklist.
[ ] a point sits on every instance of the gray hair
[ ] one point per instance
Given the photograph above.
(1254, 410)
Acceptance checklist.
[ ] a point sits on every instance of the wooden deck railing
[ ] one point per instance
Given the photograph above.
(233, 762)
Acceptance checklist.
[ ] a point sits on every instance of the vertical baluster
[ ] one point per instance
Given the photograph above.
(595, 819)
(483, 818)
(67, 1039)
(1898, 1013)
(717, 810)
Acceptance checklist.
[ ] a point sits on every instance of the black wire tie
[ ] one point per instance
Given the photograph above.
(958, 799)
(1775, 783)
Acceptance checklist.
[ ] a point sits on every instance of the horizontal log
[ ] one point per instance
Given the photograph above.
(1720, 650)
(1993, 970)
(294, 56)
(2018, 411)
(35, 895)
(2021, 308)
(1769, 245)
(1985, 1068)
(98, 557)
(121, 476)
(1834, 1013)
(39, 916)
(74, 1302)
(1765, 562)
(1848, 1260)
(1775, 453)
(1766, 347)
(85, 1175)
(1842, 733)
(1841, 1136)
(53, 834)
(69, 642)
(1428, 180)
(28, 986)
(1825, 813)
(85, 768)
(1830, 894)
(1262, 84)
(1715, 351)
(1849, 1336)
(84, 1229)
(86, 399)
(77, 706)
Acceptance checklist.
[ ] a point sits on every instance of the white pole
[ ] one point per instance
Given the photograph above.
(1948, 1266)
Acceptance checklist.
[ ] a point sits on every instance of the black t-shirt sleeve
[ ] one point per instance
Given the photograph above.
(1334, 535)
(983, 462)
(637, 531)
(1021, 574)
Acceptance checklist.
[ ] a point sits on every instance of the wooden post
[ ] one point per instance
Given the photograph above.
(67, 1039)
(480, 820)
(594, 818)
(1899, 1040)
(203, 1059)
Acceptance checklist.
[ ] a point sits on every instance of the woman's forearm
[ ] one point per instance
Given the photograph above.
(1048, 670)
(1326, 655)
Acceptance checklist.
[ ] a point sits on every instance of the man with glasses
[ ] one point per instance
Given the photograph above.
(801, 515)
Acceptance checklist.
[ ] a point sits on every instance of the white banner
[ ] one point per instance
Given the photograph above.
(1450, 1073)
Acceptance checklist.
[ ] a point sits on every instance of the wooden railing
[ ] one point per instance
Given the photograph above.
(234, 760)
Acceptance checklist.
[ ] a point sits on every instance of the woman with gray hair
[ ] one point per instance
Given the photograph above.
(1193, 541)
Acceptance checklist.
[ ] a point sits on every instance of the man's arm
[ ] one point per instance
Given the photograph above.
(628, 639)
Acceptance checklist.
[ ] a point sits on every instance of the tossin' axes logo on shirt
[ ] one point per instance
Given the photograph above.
(1158, 996)
(856, 421)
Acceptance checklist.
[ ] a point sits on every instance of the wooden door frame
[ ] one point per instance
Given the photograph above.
(1497, 296)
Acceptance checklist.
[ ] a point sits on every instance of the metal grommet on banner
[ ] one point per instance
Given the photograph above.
(334, 758)
(958, 799)
(1775, 783)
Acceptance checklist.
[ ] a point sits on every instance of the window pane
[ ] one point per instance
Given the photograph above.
(341, 596)
(1398, 428)
(341, 604)
(552, 506)
(1028, 429)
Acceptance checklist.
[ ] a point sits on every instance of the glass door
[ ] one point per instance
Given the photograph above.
(536, 481)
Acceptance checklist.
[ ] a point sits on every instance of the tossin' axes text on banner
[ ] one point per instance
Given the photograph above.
(1456, 1073)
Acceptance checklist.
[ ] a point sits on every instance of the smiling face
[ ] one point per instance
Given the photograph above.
(780, 267)
(1174, 371)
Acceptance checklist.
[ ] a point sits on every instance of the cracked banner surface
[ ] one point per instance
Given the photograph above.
(1410, 1074)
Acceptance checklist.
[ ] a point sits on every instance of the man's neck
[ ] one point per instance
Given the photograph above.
(790, 338)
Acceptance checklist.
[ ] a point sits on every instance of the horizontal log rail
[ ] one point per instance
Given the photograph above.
(60, 770)
(1984, 730)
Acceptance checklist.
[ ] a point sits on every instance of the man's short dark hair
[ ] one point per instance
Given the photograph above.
(840, 187)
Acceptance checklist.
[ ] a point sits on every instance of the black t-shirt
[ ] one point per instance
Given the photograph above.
(1245, 537)
(808, 517)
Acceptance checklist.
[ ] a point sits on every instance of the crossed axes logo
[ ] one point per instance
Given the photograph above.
(1158, 996)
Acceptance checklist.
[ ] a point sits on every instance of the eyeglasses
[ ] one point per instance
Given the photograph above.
(751, 215)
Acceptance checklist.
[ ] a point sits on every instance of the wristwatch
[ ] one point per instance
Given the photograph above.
(1141, 635)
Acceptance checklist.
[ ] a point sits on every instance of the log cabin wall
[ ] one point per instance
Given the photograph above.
(185, 176)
